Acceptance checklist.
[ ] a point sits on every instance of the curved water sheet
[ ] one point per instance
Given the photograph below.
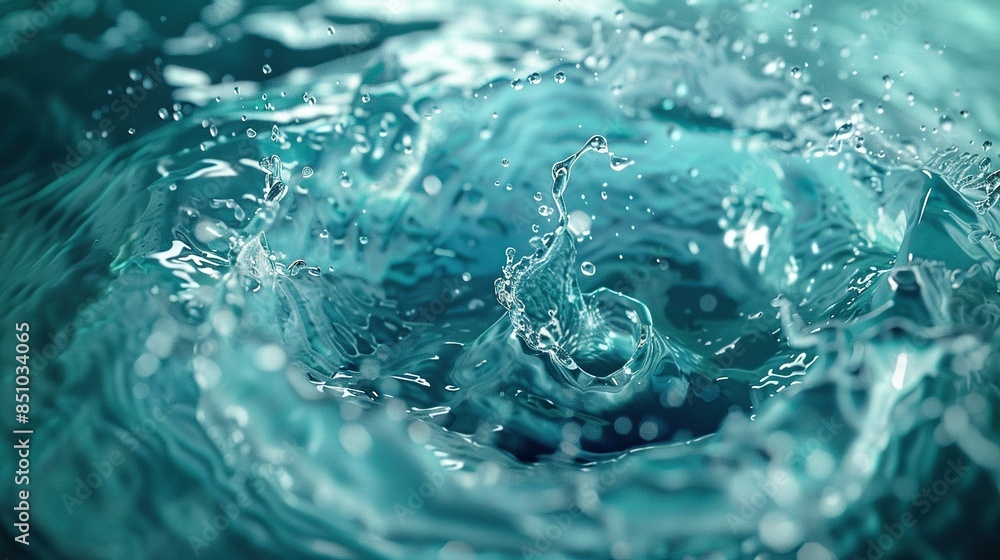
(317, 295)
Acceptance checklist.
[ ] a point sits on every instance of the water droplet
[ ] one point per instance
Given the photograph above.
(131, 131)
(164, 114)
(363, 240)
(604, 195)
(964, 114)
(545, 210)
(619, 163)
(365, 98)
(560, 77)
(946, 123)
(505, 162)
(619, 15)
(236, 90)
(266, 68)
(330, 30)
(517, 84)
(466, 277)
(345, 180)
(987, 145)
(535, 78)
(135, 75)
(538, 196)
(251, 133)
(796, 72)
(587, 268)
(826, 104)
(887, 80)
(307, 172)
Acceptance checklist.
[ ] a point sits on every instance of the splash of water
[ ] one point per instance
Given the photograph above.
(596, 339)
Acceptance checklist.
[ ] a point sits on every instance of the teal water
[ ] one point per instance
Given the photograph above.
(468, 280)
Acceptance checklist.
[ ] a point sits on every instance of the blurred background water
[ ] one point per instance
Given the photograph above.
(258, 245)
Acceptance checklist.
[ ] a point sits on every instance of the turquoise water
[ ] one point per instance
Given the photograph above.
(520, 280)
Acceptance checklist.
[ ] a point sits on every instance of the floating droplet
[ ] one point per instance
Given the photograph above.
(826, 103)
(251, 133)
(505, 162)
(330, 30)
(266, 68)
(131, 131)
(517, 84)
(587, 268)
(987, 145)
(887, 80)
(365, 98)
(619, 163)
(796, 72)
(560, 77)
(534, 78)
(164, 114)
(307, 172)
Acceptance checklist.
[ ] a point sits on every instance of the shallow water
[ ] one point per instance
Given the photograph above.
(325, 286)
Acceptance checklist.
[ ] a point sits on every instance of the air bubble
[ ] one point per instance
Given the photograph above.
(307, 172)
(251, 133)
(588, 268)
(517, 84)
(535, 78)
(266, 69)
(559, 77)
